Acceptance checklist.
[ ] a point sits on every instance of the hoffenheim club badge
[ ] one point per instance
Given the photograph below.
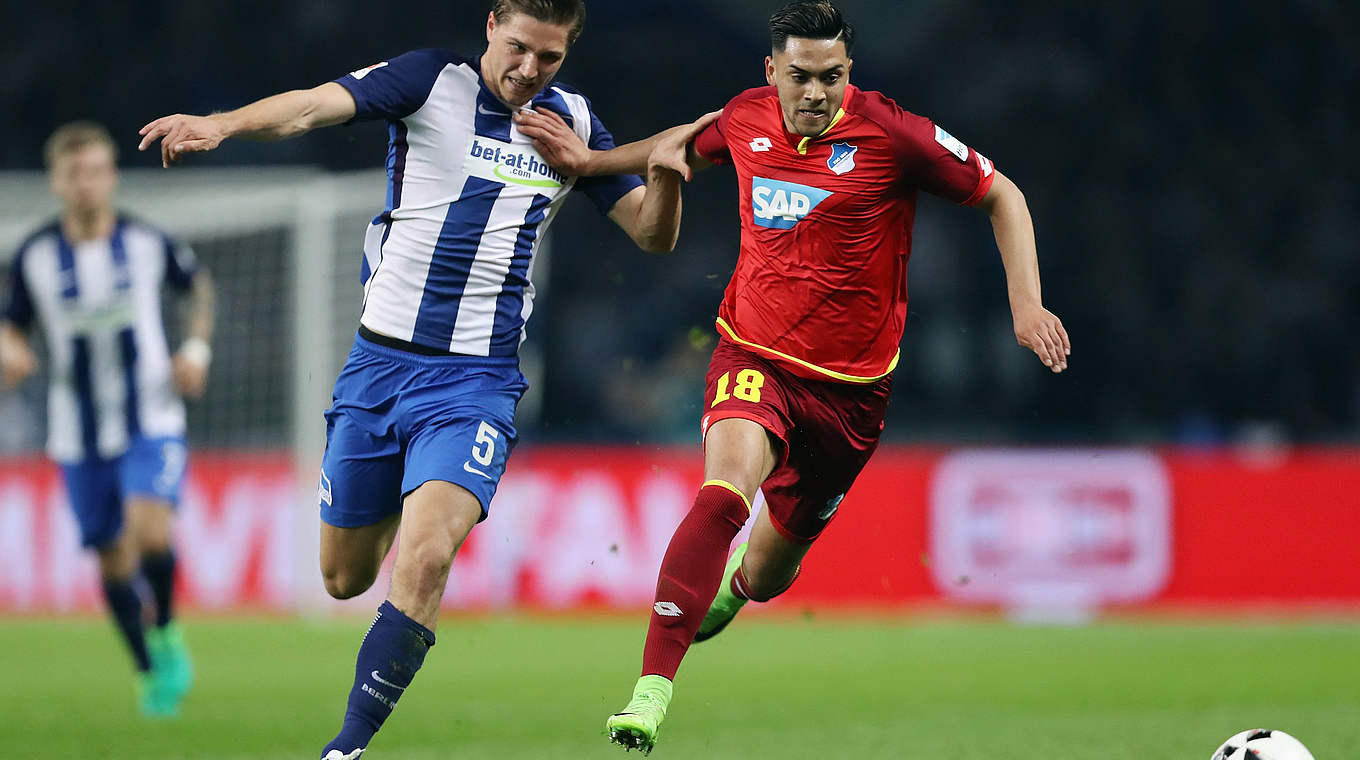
(842, 158)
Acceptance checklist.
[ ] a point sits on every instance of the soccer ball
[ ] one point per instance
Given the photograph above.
(1262, 744)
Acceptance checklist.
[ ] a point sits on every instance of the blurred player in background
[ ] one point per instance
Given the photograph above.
(423, 414)
(93, 279)
(810, 323)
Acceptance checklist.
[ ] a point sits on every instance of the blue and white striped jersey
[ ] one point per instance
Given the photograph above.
(448, 264)
(99, 303)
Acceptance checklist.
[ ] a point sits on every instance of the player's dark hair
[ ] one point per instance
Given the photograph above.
(570, 13)
(72, 136)
(812, 20)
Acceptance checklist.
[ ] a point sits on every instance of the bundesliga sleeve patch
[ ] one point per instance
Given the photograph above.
(951, 144)
(361, 73)
(984, 163)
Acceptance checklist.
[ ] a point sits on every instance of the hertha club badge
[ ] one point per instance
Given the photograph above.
(842, 158)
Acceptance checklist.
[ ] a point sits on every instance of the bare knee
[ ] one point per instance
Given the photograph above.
(428, 562)
(772, 562)
(346, 582)
(118, 559)
(739, 452)
(148, 523)
(351, 557)
(762, 587)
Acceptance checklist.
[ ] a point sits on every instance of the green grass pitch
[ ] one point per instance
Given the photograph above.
(769, 687)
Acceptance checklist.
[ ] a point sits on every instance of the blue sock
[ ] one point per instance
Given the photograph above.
(126, 608)
(159, 570)
(388, 659)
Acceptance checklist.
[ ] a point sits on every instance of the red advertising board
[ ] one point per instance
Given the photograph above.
(586, 526)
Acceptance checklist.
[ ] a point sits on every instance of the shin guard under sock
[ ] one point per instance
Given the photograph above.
(388, 659)
(690, 574)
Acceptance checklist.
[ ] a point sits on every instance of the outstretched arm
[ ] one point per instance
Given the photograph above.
(651, 214)
(565, 152)
(277, 117)
(1036, 328)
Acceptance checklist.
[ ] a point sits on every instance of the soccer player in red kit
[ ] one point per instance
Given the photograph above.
(810, 323)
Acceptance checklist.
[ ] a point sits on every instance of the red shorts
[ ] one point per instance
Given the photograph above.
(826, 431)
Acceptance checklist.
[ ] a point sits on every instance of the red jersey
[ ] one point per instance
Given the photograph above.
(821, 281)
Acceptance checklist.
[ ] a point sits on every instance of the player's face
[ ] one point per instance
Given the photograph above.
(811, 76)
(522, 56)
(84, 179)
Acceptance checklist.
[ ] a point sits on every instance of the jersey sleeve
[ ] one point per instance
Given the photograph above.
(397, 88)
(605, 191)
(180, 263)
(711, 144)
(19, 307)
(930, 158)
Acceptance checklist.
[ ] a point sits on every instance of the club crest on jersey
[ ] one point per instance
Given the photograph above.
(842, 159)
(781, 205)
(521, 165)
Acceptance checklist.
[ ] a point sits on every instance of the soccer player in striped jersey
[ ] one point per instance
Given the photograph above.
(423, 414)
(810, 323)
(92, 278)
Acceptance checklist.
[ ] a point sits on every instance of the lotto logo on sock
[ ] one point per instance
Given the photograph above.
(668, 609)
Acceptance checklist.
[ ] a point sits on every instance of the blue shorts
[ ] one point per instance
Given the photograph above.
(400, 419)
(152, 468)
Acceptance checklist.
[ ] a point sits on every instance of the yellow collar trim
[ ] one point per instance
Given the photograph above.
(803, 143)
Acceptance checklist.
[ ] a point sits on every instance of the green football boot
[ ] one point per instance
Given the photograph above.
(726, 604)
(152, 698)
(637, 725)
(170, 661)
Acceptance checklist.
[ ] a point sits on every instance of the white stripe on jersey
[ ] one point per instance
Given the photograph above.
(477, 311)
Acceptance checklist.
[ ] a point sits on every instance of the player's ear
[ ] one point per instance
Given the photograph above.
(490, 24)
(769, 70)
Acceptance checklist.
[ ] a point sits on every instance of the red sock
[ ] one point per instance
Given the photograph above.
(690, 574)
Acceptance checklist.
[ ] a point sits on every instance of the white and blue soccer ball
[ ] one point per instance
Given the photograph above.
(1262, 744)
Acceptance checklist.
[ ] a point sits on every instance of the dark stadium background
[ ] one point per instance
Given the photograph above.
(1190, 167)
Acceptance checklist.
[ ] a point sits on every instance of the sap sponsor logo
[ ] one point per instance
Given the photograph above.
(951, 144)
(361, 73)
(842, 159)
(984, 163)
(521, 165)
(781, 205)
(761, 144)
